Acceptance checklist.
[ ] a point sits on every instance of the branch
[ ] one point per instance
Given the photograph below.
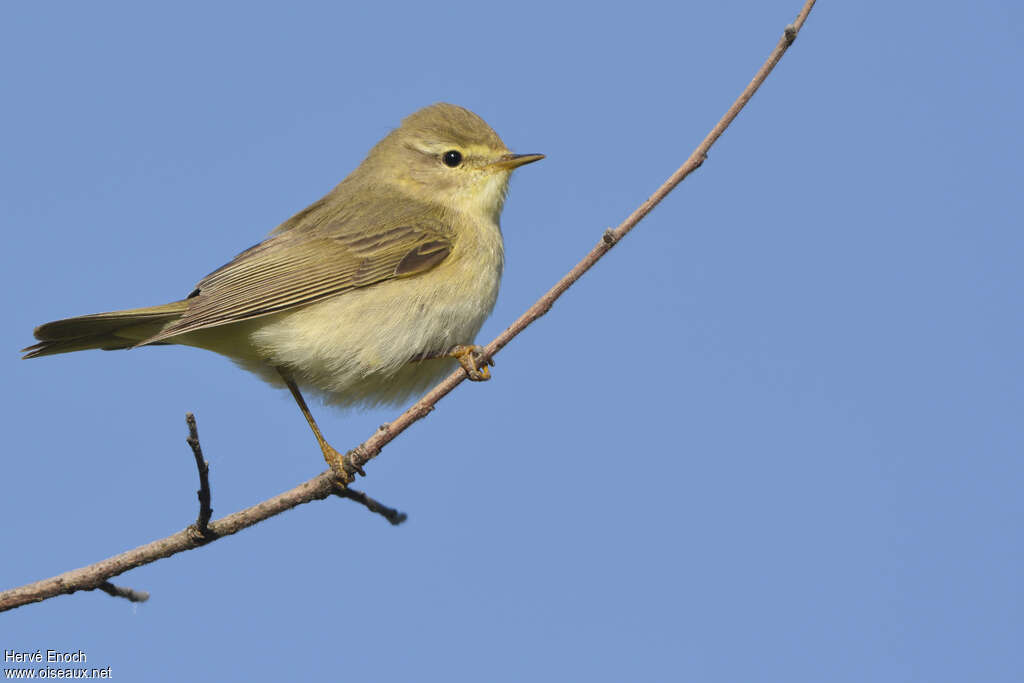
(370, 448)
(323, 485)
(95, 575)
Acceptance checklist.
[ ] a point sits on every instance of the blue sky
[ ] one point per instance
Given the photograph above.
(775, 435)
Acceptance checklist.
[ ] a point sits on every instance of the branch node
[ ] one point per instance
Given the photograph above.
(609, 237)
(790, 34)
(201, 536)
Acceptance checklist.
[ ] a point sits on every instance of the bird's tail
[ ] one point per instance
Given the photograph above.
(107, 331)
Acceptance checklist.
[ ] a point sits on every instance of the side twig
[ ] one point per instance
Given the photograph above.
(392, 515)
(122, 592)
(202, 525)
(321, 486)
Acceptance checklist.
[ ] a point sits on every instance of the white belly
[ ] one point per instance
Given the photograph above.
(356, 348)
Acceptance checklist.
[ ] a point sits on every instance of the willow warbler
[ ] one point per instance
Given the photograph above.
(366, 296)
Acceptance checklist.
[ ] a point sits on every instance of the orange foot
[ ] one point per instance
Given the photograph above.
(468, 356)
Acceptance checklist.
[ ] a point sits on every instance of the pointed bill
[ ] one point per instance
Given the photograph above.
(510, 161)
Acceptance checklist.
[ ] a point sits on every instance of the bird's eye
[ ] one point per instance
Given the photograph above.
(452, 158)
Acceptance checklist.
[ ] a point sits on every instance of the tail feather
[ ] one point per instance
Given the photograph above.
(108, 331)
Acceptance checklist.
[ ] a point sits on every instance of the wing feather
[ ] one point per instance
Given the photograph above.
(318, 257)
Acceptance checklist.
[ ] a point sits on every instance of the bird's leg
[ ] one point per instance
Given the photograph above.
(333, 457)
(468, 356)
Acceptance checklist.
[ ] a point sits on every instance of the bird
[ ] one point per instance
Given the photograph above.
(366, 297)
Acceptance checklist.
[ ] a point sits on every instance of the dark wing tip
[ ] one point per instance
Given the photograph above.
(424, 257)
(33, 351)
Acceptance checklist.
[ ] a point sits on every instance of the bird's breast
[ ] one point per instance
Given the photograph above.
(348, 345)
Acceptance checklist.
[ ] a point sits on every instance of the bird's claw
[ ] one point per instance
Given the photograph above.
(469, 356)
(338, 465)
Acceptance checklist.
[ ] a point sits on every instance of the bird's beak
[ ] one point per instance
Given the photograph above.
(510, 161)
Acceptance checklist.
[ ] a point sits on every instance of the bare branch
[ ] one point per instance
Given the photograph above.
(372, 446)
(93, 576)
(318, 488)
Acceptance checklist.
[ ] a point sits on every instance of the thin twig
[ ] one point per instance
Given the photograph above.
(392, 515)
(323, 485)
(202, 525)
(122, 592)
